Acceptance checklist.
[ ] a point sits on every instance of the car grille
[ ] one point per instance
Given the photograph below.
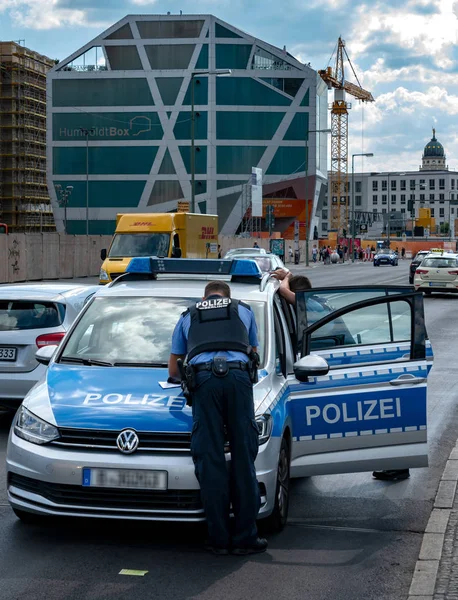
(115, 275)
(169, 500)
(89, 439)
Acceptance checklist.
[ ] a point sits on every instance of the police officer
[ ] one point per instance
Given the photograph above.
(218, 336)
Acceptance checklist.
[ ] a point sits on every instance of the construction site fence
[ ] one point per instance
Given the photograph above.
(42, 256)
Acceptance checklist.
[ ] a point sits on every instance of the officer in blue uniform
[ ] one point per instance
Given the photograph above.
(218, 335)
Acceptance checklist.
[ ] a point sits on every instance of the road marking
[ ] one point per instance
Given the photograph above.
(132, 572)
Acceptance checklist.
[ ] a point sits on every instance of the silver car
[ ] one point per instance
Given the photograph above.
(238, 252)
(33, 316)
(266, 262)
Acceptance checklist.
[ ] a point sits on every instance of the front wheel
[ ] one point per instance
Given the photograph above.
(276, 521)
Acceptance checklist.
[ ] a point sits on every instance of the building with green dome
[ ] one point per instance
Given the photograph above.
(434, 158)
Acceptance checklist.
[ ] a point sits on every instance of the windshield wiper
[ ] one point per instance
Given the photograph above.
(85, 361)
(139, 364)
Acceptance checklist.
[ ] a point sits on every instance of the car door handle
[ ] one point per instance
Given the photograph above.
(408, 380)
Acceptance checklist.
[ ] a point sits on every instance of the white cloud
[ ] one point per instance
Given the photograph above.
(44, 14)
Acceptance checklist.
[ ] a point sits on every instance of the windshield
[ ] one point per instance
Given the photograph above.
(439, 262)
(136, 331)
(139, 244)
(27, 314)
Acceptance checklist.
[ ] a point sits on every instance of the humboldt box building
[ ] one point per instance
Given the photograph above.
(120, 133)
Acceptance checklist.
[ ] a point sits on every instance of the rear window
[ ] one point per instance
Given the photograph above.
(16, 315)
(439, 263)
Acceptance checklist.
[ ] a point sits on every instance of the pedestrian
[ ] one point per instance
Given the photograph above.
(361, 254)
(219, 251)
(372, 252)
(314, 253)
(255, 245)
(219, 337)
(368, 253)
(403, 253)
(290, 253)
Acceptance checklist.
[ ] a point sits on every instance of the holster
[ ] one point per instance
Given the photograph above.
(188, 381)
(253, 364)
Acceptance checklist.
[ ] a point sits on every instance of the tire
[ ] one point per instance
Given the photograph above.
(29, 518)
(411, 280)
(278, 518)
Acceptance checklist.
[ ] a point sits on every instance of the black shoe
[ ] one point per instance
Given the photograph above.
(258, 546)
(218, 550)
(392, 475)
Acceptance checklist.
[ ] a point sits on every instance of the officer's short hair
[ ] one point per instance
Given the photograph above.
(299, 283)
(217, 287)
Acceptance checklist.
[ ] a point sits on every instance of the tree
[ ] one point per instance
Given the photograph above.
(445, 228)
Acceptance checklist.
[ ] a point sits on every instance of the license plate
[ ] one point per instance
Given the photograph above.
(136, 479)
(432, 284)
(8, 353)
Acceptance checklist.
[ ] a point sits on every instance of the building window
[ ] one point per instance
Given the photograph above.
(432, 184)
(403, 198)
(432, 212)
(375, 186)
(431, 196)
(393, 198)
(412, 184)
(384, 185)
(453, 184)
(452, 197)
(422, 184)
(441, 212)
(403, 210)
(357, 200)
(384, 211)
(324, 226)
(358, 185)
(374, 211)
(375, 199)
(324, 214)
(441, 196)
(393, 185)
(442, 184)
(384, 199)
(403, 184)
(422, 197)
(412, 197)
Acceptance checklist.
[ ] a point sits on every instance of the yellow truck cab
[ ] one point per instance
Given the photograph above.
(171, 235)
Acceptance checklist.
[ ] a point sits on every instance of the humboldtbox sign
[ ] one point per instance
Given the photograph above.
(106, 126)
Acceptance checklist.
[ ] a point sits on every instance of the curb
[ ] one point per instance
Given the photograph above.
(426, 569)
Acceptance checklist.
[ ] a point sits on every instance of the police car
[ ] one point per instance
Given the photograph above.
(342, 388)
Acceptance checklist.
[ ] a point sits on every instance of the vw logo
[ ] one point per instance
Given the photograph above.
(127, 441)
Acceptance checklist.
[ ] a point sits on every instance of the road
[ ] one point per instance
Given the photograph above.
(349, 536)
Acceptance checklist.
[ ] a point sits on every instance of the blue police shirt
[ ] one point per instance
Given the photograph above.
(180, 339)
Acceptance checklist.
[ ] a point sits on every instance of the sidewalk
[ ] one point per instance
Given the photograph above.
(436, 573)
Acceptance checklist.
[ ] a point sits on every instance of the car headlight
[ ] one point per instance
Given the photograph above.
(33, 429)
(265, 425)
(103, 276)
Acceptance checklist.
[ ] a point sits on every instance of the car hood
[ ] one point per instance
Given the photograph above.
(115, 398)
(384, 255)
(112, 398)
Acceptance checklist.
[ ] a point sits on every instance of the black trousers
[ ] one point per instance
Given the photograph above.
(220, 402)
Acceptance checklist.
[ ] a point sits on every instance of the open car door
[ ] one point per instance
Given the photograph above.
(369, 411)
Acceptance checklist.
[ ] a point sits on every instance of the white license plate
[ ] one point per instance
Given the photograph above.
(136, 479)
(432, 284)
(8, 353)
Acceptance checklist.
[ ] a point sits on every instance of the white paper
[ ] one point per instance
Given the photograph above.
(165, 385)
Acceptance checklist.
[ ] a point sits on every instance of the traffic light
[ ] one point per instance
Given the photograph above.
(344, 233)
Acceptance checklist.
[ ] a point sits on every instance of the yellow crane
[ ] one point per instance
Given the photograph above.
(338, 183)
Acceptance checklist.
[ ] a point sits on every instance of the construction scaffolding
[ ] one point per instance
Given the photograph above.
(24, 198)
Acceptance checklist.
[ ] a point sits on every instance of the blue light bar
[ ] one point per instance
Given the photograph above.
(194, 266)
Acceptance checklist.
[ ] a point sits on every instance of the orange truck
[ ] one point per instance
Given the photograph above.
(171, 235)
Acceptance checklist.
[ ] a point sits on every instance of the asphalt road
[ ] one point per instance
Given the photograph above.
(349, 536)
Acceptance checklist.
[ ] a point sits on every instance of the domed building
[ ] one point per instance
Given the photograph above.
(434, 158)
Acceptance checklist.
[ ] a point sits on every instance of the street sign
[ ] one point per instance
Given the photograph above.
(334, 199)
(183, 206)
(363, 228)
(343, 199)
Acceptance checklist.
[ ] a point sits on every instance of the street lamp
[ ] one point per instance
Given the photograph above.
(62, 200)
(87, 133)
(353, 220)
(306, 189)
(218, 73)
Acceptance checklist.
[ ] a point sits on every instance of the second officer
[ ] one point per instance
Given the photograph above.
(219, 337)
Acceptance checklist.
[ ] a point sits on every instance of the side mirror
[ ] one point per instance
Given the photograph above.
(103, 254)
(45, 354)
(176, 252)
(310, 366)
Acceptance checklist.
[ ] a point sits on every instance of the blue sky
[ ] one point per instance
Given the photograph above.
(405, 52)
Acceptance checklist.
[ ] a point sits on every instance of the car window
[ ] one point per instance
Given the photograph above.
(378, 324)
(28, 314)
(136, 330)
(439, 262)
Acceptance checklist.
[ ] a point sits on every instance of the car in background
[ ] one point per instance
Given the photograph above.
(386, 257)
(416, 260)
(437, 273)
(33, 316)
(240, 251)
(266, 262)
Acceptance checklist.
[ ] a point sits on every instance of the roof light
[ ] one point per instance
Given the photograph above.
(190, 266)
